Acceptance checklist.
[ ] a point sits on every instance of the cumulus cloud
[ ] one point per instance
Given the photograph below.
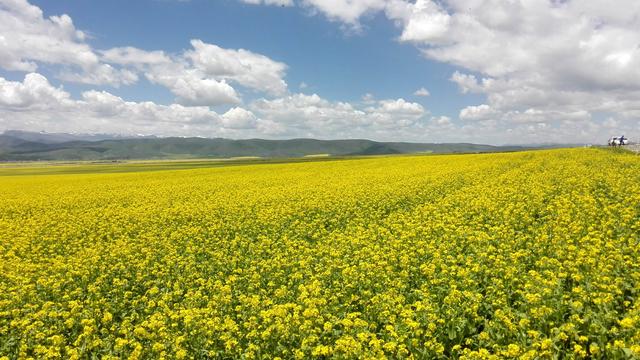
(314, 116)
(399, 107)
(480, 112)
(28, 39)
(466, 82)
(422, 92)
(194, 90)
(247, 68)
(427, 22)
(551, 59)
(442, 122)
(206, 73)
(538, 42)
(35, 104)
(35, 91)
(190, 85)
(239, 118)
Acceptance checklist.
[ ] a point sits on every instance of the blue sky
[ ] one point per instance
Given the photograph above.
(498, 72)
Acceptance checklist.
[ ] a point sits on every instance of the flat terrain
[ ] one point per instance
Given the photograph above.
(513, 255)
(137, 166)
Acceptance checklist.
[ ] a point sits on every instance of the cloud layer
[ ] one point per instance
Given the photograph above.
(35, 104)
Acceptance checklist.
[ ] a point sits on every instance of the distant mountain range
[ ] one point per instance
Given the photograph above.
(31, 146)
(56, 138)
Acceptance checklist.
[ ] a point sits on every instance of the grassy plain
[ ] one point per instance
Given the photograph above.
(512, 255)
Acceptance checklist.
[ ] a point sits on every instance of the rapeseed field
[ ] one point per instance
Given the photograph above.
(529, 255)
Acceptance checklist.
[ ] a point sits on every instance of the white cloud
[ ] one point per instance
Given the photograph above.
(34, 104)
(427, 22)
(35, 91)
(300, 112)
(269, 2)
(313, 116)
(395, 114)
(480, 112)
(26, 36)
(101, 74)
(543, 42)
(205, 74)
(350, 12)
(422, 92)
(247, 68)
(133, 56)
(239, 118)
(346, 11)
(554, 59)
(27, 39)
(194, 90)
(190, 85)
(442, 121)
(466, 83)
(399, 107)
